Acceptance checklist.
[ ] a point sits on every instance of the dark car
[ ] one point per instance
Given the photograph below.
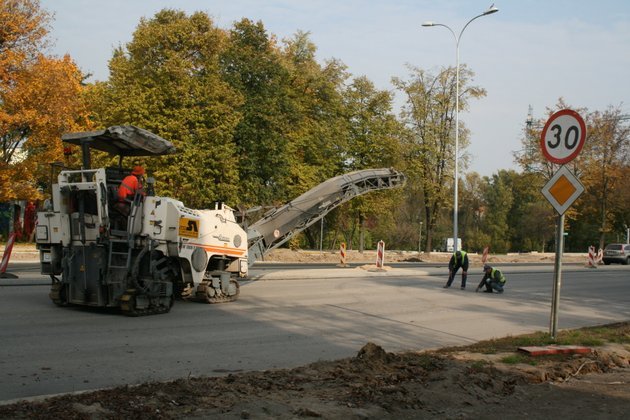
(617, 253)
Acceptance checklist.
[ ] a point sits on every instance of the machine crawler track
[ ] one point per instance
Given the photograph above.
(209, 294)
(128, 305)
(57, 293)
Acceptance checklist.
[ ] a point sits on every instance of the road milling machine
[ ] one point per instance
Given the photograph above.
(162, 250)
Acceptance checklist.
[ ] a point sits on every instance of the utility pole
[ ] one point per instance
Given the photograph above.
(321, 236)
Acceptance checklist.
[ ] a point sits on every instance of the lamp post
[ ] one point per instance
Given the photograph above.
(321, 236)
(457, 38)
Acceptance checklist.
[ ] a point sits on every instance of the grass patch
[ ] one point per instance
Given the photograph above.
(588, 336)
(479, 364)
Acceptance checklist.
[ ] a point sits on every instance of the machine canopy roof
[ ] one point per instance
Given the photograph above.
(122, 140)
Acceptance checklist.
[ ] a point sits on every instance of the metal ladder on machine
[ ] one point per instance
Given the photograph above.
(121, 248)
(119, 258)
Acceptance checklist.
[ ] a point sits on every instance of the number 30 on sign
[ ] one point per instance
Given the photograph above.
(563, 136)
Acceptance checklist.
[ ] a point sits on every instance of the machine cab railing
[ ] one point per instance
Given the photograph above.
(89, 195)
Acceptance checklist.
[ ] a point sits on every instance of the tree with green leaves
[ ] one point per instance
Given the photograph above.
(168, 80)
(499, 199)
(531, 218)
(472, 211)
(429, 118)
(372, 141)
(317, 135)
(252, 65)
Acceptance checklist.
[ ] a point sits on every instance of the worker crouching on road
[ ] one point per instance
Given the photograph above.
(457, 261)
(493, 279)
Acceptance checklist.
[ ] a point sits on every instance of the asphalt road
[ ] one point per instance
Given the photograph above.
(285, 318)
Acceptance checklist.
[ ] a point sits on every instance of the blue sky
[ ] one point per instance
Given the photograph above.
(531, 52)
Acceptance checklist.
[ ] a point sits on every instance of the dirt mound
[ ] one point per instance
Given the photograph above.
(449, 383)
(371, 353)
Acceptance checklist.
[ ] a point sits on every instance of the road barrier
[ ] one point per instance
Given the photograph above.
(342, 255)
(484, 257)
(380, 254)
(594, 258)
(5, 258)
(591, 257)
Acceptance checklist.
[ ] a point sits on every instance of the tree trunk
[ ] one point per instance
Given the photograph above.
(333, 242)
(310, 238)
(429, 231)
(602, 236)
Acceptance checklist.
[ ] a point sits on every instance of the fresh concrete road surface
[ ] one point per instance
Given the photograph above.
(284, 319)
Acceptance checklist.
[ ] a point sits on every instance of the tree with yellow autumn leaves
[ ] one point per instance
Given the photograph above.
(258, 122)
(40, 99)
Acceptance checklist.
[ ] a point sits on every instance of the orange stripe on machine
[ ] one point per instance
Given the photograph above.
(221, 250)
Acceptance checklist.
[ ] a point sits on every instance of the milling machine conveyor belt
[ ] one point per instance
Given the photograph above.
(282, 223)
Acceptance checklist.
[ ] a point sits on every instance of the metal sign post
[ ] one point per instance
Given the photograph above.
(557, 277)
(561, 141)
(561, 191)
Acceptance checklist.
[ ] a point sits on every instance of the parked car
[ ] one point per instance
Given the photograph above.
(617, 253)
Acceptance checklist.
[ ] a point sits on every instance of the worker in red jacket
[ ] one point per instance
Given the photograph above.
(128, 188)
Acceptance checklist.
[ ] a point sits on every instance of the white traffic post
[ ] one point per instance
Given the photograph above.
(600, 256)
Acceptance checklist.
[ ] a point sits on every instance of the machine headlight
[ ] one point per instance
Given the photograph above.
(199, 259)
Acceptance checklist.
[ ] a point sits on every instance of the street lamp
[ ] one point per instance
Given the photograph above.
(457, 38)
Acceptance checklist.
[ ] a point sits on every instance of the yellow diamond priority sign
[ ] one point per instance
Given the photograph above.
(562, 189)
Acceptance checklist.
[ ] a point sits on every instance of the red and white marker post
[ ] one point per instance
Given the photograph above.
(484, 257)
(342, 255)
(380, 254)
(592, 257)
(5, 258)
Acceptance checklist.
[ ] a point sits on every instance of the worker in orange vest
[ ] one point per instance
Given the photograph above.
(128, 188)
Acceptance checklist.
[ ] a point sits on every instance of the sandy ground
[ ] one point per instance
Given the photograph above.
(28, 252)
(287, 255)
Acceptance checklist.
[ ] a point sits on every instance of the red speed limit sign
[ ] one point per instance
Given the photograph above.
(563, 136)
